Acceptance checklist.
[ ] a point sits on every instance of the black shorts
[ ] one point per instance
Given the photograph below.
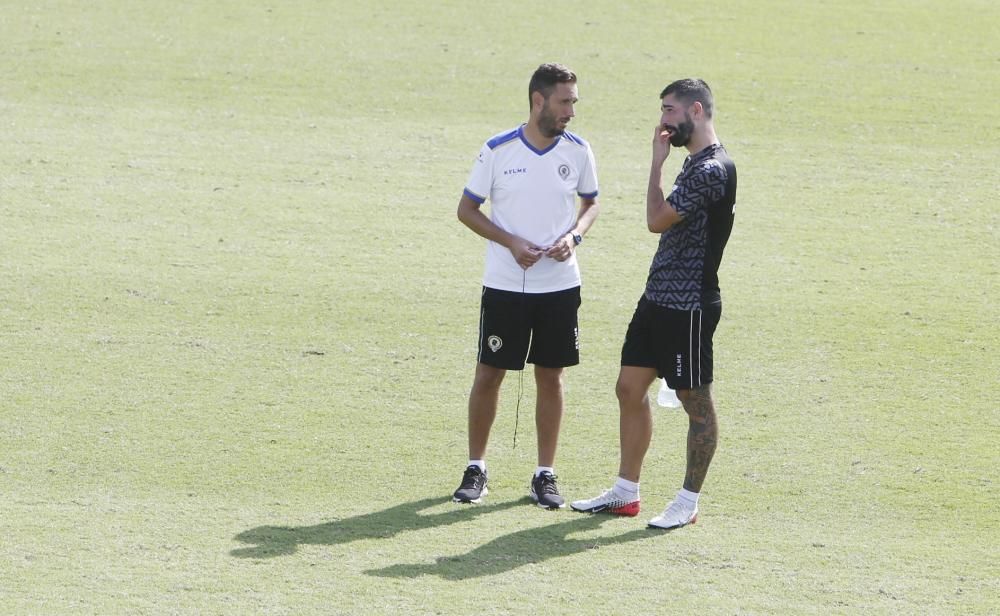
(540, 328)
(678, 343)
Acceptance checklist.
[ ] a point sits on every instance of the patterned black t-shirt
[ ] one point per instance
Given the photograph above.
(684, 273)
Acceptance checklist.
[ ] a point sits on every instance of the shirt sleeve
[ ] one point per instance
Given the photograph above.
(480, 182)
(587, 186)
(697, 190)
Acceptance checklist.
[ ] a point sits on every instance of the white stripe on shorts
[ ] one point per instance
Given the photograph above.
(693, 361)
(482, 316)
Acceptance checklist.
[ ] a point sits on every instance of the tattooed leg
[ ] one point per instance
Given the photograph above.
(703, 432)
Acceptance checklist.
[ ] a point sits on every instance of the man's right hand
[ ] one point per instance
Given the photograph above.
(661, 144)
(525, 253)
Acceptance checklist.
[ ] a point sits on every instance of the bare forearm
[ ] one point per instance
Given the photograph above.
(654, 194)
(660, 215)
(589, 209)
(473, 218)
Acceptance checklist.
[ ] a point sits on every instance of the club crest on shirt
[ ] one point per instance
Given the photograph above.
(564, 171)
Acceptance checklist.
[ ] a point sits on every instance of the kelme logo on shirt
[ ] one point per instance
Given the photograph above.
(564, 171)
(515, 171)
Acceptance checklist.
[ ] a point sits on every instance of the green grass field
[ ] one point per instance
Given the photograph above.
(238, 314)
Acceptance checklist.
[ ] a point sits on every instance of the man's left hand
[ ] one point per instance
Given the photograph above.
(562, 249)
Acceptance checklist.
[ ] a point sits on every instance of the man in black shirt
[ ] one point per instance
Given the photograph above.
(670, 335)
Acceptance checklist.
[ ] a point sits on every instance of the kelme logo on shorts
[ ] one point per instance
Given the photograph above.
(494, 342)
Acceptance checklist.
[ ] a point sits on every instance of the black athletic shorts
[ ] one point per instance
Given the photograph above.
(678, 343)
(540, 328)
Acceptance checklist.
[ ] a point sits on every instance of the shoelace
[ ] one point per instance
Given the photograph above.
(548, 484)
(472, 477)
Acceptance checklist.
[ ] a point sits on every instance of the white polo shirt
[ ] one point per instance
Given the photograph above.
(532, 195)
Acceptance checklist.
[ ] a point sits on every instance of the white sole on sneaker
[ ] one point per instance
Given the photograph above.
(535, 498)
(471, 502)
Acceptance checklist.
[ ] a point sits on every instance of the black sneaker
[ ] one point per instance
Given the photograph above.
(544, 491)
(473, 487)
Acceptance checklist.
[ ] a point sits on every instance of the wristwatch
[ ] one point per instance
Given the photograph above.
(577, 238)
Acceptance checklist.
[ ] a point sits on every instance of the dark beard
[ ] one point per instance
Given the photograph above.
(548, 124)
(681, 135)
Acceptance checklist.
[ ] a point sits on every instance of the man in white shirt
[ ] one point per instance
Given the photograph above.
(532, 176)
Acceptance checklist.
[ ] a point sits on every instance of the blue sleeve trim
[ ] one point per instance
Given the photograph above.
(592, 195)
(468, 193)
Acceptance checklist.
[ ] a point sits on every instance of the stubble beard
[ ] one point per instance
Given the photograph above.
(548, 124)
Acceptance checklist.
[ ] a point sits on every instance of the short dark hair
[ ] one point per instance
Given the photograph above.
(690, 90)
(546, 77)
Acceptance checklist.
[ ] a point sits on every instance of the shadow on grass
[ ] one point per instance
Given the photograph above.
(515, 550)
(271, 541)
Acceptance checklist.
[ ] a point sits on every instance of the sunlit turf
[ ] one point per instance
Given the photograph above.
(237, 312)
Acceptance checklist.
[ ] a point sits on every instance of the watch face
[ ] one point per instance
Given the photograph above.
(577, 239)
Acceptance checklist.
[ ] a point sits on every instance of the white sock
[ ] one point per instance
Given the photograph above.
(626, 488)
(689, 498)
(480, 463)
(538, 471)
